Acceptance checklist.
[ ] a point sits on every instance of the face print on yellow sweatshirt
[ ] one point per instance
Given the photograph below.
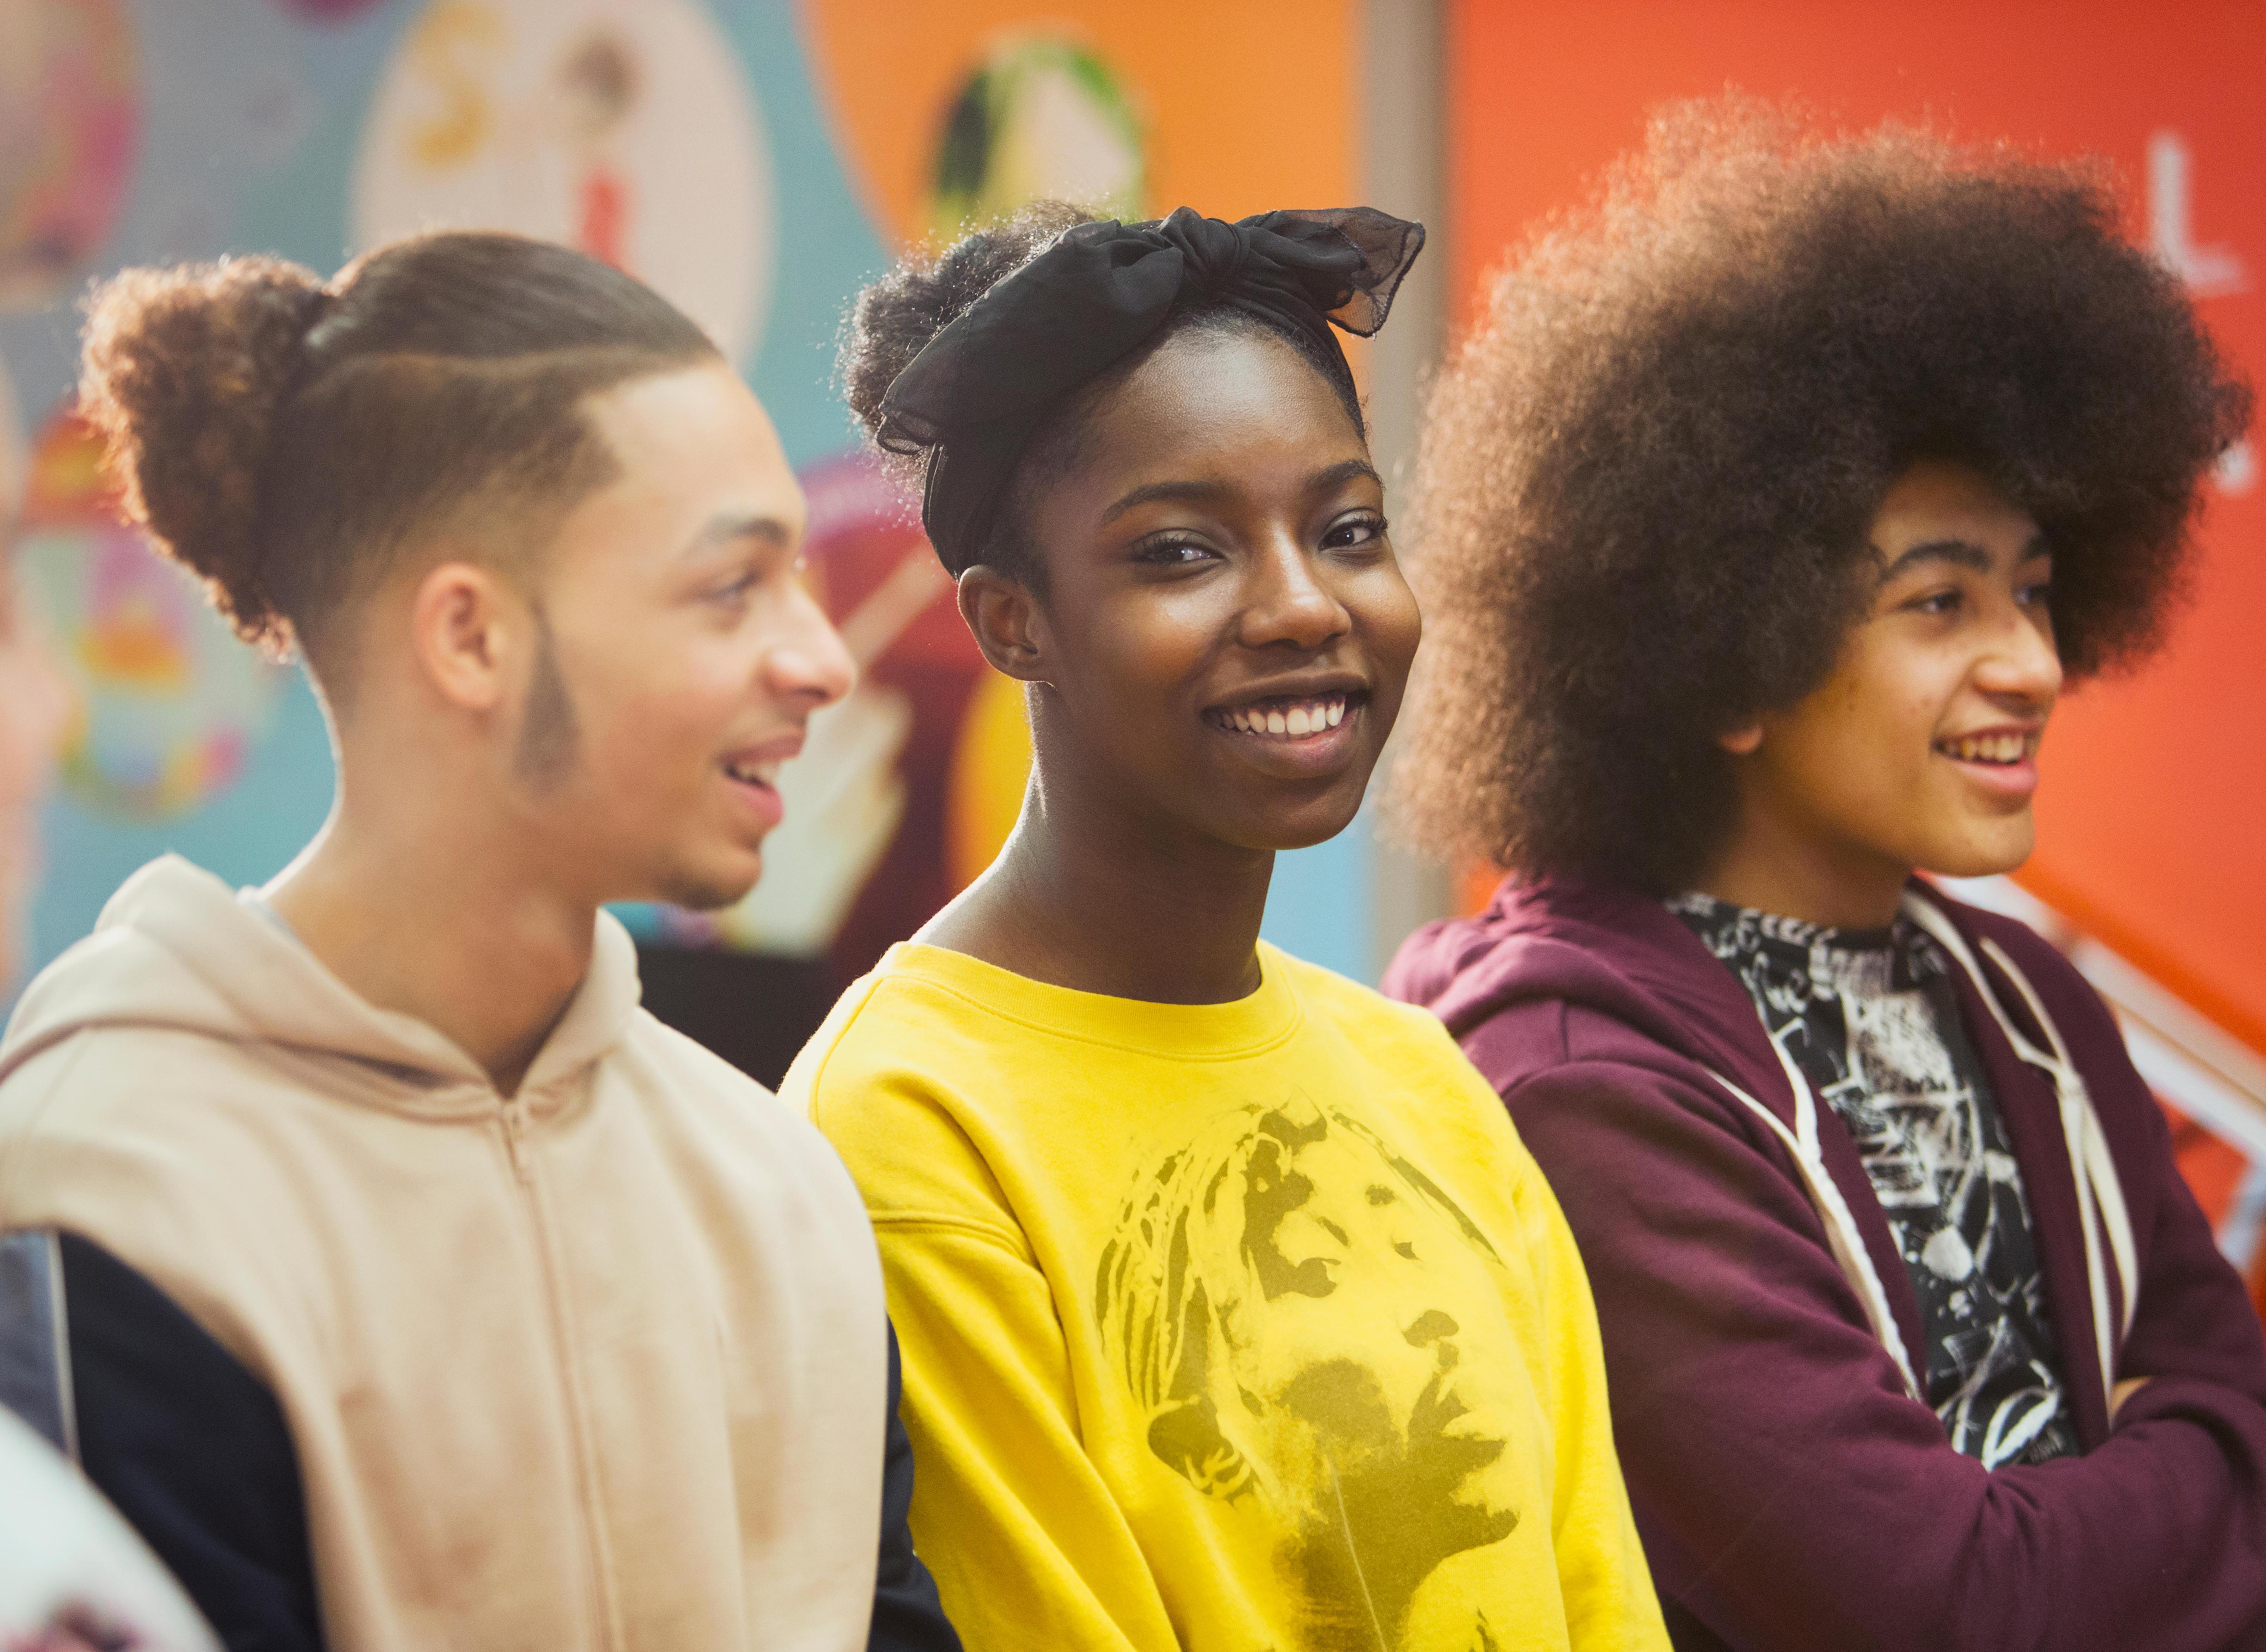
(1228, 1328)
(1315, 1331)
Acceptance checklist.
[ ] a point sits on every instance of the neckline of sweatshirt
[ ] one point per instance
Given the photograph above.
(176, 948)
(1247, 1026)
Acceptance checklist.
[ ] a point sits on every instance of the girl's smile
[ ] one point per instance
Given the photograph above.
(1295, 730)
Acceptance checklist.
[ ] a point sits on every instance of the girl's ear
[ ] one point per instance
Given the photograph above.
(1006, 622)
(1743, 742)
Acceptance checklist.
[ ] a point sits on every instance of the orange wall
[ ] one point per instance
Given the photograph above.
(2155, 794)
(1249, 104)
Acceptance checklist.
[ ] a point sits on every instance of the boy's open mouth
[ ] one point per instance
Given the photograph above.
(751, 773)
(2001, 748)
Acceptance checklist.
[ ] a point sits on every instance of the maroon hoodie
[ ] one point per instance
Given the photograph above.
(1792, 1496)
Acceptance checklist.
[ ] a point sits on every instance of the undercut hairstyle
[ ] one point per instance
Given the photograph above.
(284, 437)
(891, 320)
(1643, 499)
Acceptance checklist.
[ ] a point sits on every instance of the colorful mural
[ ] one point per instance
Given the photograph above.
(1040, 119)
(756, 160)
(69, 116)
(627, 131)
(168, 704)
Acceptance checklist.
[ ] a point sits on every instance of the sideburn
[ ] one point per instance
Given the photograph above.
(549, 734)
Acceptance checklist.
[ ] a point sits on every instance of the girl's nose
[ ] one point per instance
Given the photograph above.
(1291, 605)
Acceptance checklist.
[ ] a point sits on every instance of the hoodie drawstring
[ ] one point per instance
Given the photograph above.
(2100, 1192)
(1842, 1236)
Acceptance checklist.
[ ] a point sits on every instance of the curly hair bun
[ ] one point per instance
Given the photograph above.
(182, 370)
(895, 318)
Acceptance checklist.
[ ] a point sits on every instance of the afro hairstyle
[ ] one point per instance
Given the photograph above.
(1643, 496)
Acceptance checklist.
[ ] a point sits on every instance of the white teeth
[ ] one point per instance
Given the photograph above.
(1290, 722)
(1990, 748)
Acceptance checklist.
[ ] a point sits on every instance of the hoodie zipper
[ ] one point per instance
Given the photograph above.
(516, 1130)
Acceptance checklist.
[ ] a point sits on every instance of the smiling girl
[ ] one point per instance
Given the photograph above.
(1233, 1312)
(1917, 1339)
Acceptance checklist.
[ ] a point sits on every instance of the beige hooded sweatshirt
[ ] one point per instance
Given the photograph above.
(601, 1366)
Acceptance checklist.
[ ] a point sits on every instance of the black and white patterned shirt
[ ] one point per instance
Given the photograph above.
(1871, 1022)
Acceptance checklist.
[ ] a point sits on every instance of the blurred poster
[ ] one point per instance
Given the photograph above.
(964, 109)
(328, 11)
(70, 121)
(627, 129)
(1042, 118)
(13, 463)
(167, 704)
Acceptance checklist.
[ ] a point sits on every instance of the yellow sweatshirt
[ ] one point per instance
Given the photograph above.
(1241, 1325)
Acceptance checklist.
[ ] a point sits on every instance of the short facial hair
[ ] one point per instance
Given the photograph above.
(549, 734)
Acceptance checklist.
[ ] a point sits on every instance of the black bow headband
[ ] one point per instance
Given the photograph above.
(973, 397)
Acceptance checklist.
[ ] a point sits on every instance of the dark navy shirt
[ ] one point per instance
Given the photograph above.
(194, 1450)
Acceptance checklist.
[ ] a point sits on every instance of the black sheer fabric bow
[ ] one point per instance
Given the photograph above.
(973, 397)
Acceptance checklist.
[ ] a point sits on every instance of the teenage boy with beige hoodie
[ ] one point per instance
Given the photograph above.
(403, 1281)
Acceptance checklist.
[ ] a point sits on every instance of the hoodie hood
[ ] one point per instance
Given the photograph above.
(178, 949)
(1593, 946)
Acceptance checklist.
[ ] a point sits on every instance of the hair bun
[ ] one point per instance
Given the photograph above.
(183, 371)
(895, 318)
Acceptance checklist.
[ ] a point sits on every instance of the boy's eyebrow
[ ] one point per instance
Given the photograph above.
(1960, 552)
(728, 525)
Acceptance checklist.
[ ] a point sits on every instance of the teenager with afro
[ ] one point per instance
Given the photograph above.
(1765, 518)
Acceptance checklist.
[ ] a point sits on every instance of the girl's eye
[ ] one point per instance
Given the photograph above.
(1935, 603)
(736, 591)
(1354, 530)
(1172, 553)
(2038, 594)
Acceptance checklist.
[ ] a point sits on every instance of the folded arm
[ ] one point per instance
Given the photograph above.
(1790, 1493)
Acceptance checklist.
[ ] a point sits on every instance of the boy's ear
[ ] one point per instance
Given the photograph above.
(1006, 623)
(464, 627)
(1743, 742)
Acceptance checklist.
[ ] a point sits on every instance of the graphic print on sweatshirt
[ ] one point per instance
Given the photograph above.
(1317, 1336)
(1871, 1019)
